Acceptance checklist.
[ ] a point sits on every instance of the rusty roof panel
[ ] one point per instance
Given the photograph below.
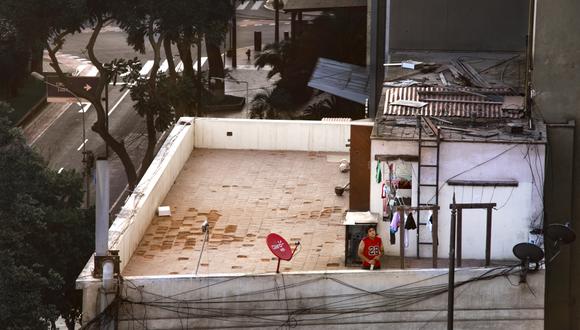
(446, 102)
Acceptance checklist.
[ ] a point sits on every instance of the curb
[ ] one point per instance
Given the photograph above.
(31, 114)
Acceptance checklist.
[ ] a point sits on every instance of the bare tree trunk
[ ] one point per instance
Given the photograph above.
(216, 67)
(100, 126)
(170, 61)
(149, 116)
(184, 49)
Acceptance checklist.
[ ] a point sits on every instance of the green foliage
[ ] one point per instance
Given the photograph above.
(270, 105)
(320, 109)
(294, 61)
(45, 237)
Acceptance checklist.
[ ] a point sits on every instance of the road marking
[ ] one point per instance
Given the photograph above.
(257, 5)
(164, 67)
(119, 102)
(243, 25)
(179, 67)
(203, 60)
(59, 171)
(146, 68)
(85, 107)
(272, 24)
(93, 72)
(257, 24)
(243, 6)
(80, 69)
(286, 23)
(82, 145)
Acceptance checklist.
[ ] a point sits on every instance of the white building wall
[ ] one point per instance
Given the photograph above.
(296, 135)
(332, 300)
(518, 208)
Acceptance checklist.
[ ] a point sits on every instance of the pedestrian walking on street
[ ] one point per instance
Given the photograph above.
(249, 54)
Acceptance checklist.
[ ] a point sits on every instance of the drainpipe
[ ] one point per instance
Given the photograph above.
(107, 293)
(104, 260)
(376, 70)
(102, 208)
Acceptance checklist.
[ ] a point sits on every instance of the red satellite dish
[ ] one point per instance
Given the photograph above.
(280, 248)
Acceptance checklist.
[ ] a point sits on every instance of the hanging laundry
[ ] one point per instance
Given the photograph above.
(430, 222)
(386, 198)
(410, 222)
(395, 222)
(393, 238)
(379, 174)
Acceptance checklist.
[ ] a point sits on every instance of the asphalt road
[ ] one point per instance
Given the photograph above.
(62, 143)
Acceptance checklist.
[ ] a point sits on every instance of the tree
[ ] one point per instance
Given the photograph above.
(295, 60)
(45, 237)
(181, 22)
(270, 104)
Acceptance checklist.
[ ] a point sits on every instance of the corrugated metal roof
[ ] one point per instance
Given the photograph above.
(443, 102)
(336, 120)
(315, 5)
(341, 79)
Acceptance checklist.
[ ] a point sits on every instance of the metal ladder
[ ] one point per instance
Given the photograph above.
(432, 188)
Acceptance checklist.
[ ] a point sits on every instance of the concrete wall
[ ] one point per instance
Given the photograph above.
(493, 25)
(556, 81)
(253, 134)
(134, 219)
(518, 207)
(332, 300)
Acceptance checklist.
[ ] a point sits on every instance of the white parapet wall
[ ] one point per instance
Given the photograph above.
(296, 135)
(388, 299)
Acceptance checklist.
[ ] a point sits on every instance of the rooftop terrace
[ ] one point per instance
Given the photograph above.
(245, 195)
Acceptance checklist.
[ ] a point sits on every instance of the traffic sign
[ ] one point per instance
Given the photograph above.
(56, 92)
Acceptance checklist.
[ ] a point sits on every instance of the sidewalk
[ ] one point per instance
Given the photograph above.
(251, 81)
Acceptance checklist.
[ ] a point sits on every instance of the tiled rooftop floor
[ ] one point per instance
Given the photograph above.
(245, 195)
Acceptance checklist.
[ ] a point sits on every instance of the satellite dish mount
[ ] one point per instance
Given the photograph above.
(528, 253)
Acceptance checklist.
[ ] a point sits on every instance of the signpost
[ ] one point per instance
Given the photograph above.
(57, 93)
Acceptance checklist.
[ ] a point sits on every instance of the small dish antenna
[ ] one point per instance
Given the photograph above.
(561, 235)
(528, 253)
(280, 248)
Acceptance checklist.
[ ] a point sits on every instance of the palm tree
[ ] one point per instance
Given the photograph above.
(320, 109)
(270, 104)
(276, 56)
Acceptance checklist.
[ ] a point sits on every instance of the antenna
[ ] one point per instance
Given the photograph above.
(559, 234)
(280, 248)
(528, 253)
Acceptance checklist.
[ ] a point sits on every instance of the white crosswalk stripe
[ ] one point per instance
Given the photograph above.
(92, 72)
(80, 69)
(257, 5)
(203, 60)
(164, 66)
(179, 67)
(146, 68)
(243, 6)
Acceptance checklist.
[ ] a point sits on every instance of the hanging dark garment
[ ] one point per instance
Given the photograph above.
(410, 222)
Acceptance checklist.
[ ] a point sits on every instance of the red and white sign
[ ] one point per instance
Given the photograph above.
(278, 245)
